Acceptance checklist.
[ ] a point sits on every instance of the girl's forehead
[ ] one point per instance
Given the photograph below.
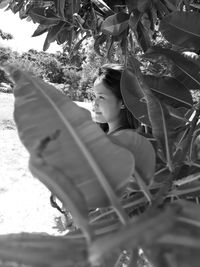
(100, 88)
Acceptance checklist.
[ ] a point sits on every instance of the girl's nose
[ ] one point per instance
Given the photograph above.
(94, 105)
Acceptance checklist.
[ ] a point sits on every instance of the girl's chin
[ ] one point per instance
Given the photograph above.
(99, 119)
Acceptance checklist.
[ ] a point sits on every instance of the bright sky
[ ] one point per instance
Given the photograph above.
(22, 31)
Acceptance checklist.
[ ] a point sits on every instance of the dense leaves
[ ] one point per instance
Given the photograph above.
(167, 89)
(182, 29)
(178, 27)
(141, 149)
(115, 24)
(188, 70)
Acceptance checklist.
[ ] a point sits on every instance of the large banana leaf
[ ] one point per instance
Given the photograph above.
(142, 150)
(163, 124)
(66, 139)
(167, 89)
(143, 231)
(41, 250)
(133, 96)
(171, 90)
(189, 69)
(182, 29)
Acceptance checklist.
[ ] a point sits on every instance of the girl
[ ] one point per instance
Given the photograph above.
(109, 109)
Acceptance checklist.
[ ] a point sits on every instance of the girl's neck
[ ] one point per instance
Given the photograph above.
(114, 127)
(122, 122)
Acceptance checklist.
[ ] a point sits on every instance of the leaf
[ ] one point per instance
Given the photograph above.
(40, 30)
(78, 44)
(131, 5)
(68, 11)
(61, 8)
(81, 151)
(169, 87)
(142, 231)
(16, 7)
(76, 6)
(38, 15)
(163, 125)
(103, 7)
(188, 190)
(123, 43)
(143, 37)
(134, 19)
(65, 189)
(140, 5)
(133, 96)
(52, 34)
(184, 65)
(184, 78)
(4, 3)
(46, 44)
(101, 227)
(99, 40)
(182, 29)
(22, 12)
(151, 13)
(43, 250)
(161, 8)
(143, 5)
(190, 210)
(109, 47)
(142, 150)
(170, 5)
(174, 255)
(183, 237)
(65, 35)
(115, 24)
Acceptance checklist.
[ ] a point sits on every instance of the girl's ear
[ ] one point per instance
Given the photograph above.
(122, 106)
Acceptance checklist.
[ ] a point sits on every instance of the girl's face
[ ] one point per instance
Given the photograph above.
(106, 106)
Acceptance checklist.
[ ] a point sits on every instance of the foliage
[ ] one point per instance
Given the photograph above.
(57, 68)
(5, 55)
(123, 195)
(90, 66)
(5, 36)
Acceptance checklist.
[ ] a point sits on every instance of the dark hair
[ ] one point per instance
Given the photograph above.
(110, 75)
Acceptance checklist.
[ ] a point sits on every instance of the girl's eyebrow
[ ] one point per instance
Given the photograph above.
(101, 94)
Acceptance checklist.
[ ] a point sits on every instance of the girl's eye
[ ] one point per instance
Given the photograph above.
(101, 97)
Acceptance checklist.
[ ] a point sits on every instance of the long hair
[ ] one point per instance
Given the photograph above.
(110, 75)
